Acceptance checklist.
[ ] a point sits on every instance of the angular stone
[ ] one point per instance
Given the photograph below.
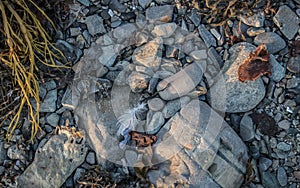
(62, 151)
(154, 123)
(181, 83)
(49, 102)
(138, 81)
(269, 180)
(257, 20)
(293, 64)
(117, 6)
(273, 41)
(2, 152)
(53, 119)
(124, 32)
(160, 13)
(228, 93)
(164, 30)
(207, 37)
(15, 153)
(108, 56)
(144, 3)
(278, 71)
(264, 164)
(95, 25)
(287, 21)
(173, 106)
(149, 55)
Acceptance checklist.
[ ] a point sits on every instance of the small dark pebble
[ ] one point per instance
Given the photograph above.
(128, 16)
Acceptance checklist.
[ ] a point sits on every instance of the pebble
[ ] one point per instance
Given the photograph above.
(207, 37)
(78, 173)
(160, 13)
(155, 104)
(269, 180)
(264, 163)
(53, 119)
(195, 17)
(293, 83)
(91, 158)
(257, 20)
(293, 64)
(14, 153)
(138, 81)
(283, 146)
(173, 106)
(278, 71)
(95, 25)
(282, 176)
(297, 174)
(144, 3)
(154, 122)
(287, 21)
(284, 124)
(253, 31)
(246, 128)
(273, 41)
(117, 6)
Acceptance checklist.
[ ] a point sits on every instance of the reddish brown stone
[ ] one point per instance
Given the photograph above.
(142, 139)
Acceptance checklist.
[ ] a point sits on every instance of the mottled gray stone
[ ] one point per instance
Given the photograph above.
(95, 25)
(284, 124)
(195, 17)
(287, 21)
(228, 93)
(48, 104)
(149, 55)
(173, 106)
(246, 128)
(257, 20)
(138, 81)
(144, 3)
(155, 104)
(53, 119)
(154, 122)
(91, 158)
(264, 163)
(278, 71)
(74, 31)
(273, 41)
(108, 56)
(293, 83)
(117, 6)
(160, 13)
(282, 176)
(84, 2)
(269, 180)
(207, 37)
(181, 83)
(283, 146)
(293, 64)
(15, 153)
(164, 30)
(124, 32)
(61, 151)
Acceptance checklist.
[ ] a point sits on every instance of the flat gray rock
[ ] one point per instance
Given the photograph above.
(293, 64)
(273, 41)
(154, 122)
(95, 25)
(160, 13)
(228, 93)
(278, 71)
(207, 37)
(287, 21)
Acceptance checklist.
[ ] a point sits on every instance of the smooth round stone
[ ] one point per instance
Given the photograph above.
(156, 104)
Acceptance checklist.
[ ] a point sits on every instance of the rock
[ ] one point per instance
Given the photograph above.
(278, 71)
(95, 25)
(154, 123)
(173, 106)
(160, 13)
(252, 31)
(91, 158)
(144, 3)
(69, 101)
(228, 93)
(138, 81)
(48, 104)
(53, 119)
(2, 152)
(297, 174)
(273, 41)
(2, 170)
(164, 30)
(293, 83)
(64, 152)
(108, 56)
(284, 124)
(287, 21)
(203, 161)
(269, 180)
(85, 2)
(195, 17)
(117, 6)
(78, 173)
(257, 20)
(293, 64)
(15, 153)
(149, 55)
(283, 146)
(155, 104)
(264, 164)
(207, 37)
(75, 31)
(282, 176)
(180, 83)
(246, 128)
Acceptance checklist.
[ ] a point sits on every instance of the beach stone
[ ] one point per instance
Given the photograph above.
(117, 6)
(108, 56)
(154, 123)
(48, 104)
(264, 163)
(95, 25)
(287, 21)
(164, 30)
(273, 41)
(257, 20)
(15, 153)
(278, 71)
(283, 146)
(207, 37)
(155, 104)
(2, 152)
(284, 124)
(293, 64)
(124, 32)
(53, 119)
(269, 180)
(173, 106)
(138, 81)
(160, 13)
(144, 3)
(228, 93)
(91, 158)
(282, 176)
(246, 128)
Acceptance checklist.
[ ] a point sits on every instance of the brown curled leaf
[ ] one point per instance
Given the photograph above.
(142, 139)
(256, 65)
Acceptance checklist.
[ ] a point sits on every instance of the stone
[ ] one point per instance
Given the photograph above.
(203, 161)
(293, 64)
(2, 152)
(269, 180)
(293, 83)
(108, 56)
(160, 13)
(253, 31)
(85, 2)
(257, 20)
(284, 124)
(282, 176)
(78, 173)
(228, 93)
(53, 119)
(273, 41)
(138, 81)
(95, 25)
(246, 128)
(117, 6)
(155, 104)
(15, 153)
(91, 158)
(144, 3)
(173, 106)
(164, 30)
(207, 37)
(283, 146)
(195, 17)
(264, 164)
(149, 55)
(48, 104)
(287, 21)
(278, 71)
(63, 151)
(297, 174)
(181, 83)
(74, 31)
(154, 123)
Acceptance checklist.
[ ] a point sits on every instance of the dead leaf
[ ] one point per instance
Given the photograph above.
(265, 124)
(256, 65)
(142, 139)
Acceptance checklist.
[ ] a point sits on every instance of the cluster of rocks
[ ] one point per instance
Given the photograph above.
(130, 52)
